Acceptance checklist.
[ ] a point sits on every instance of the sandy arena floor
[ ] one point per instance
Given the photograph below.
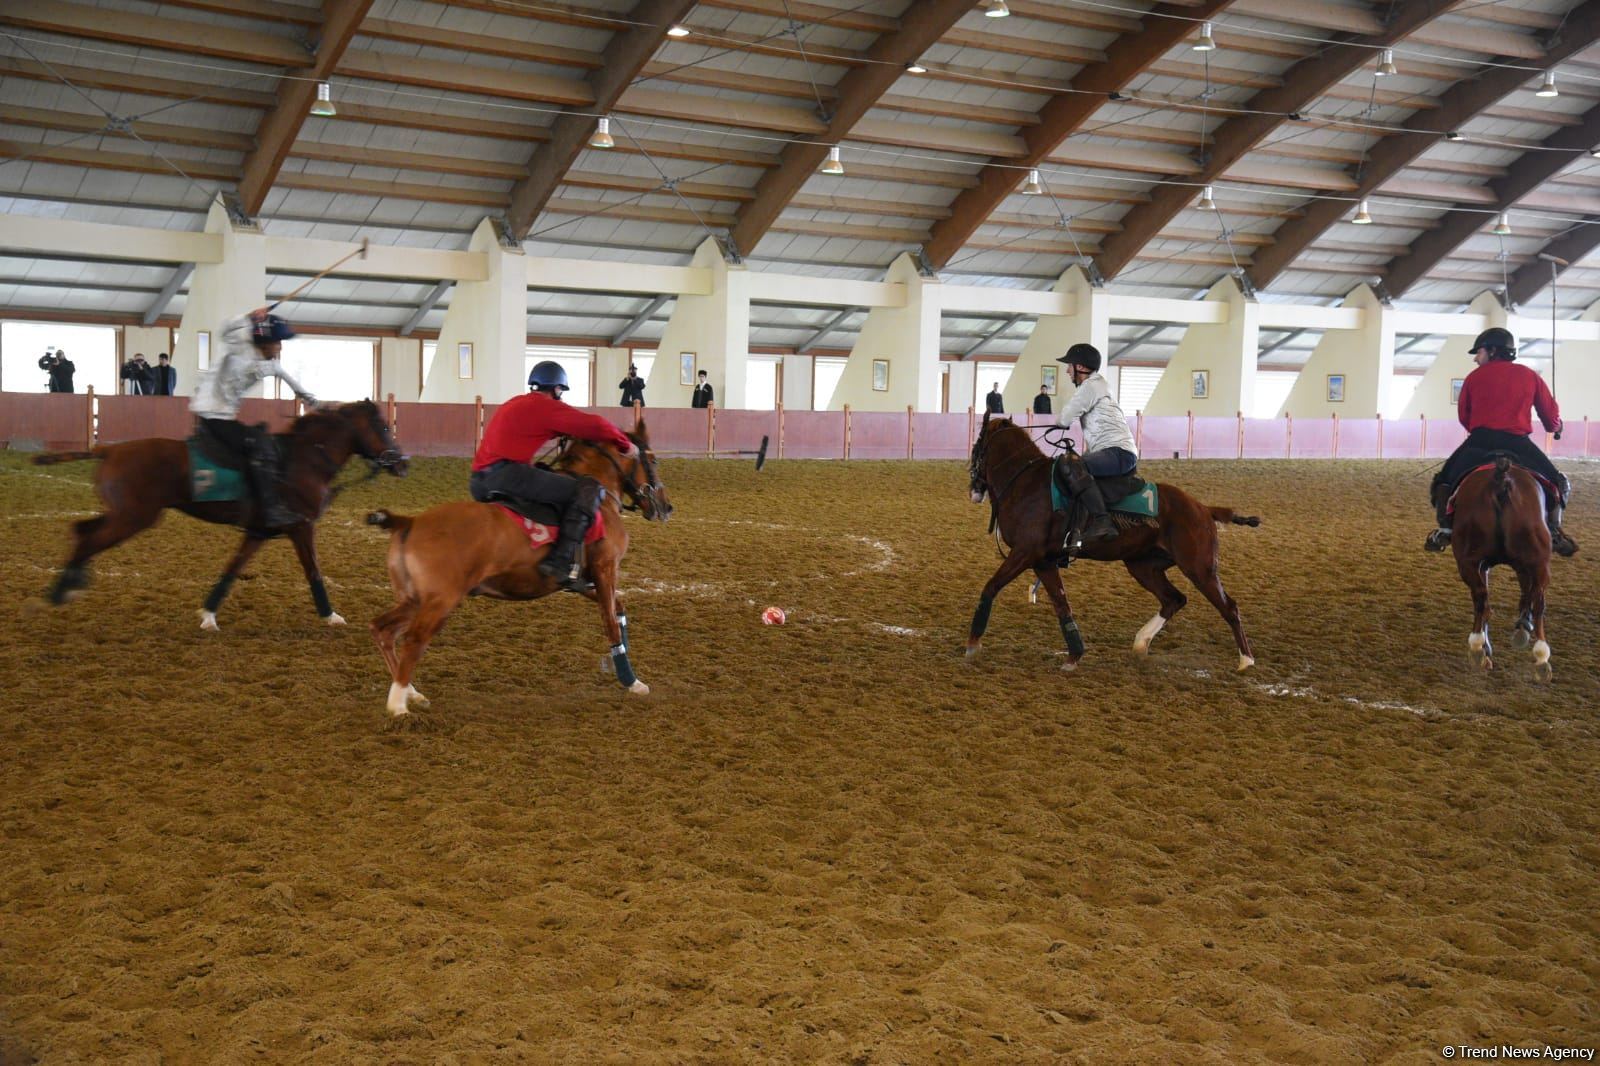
(835, 841)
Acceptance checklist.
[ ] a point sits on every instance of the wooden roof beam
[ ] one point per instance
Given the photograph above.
(280, 126)
(858, 91)
(153, 31)
(625, 56)
(1126, 58)
(1304, 83)
(1459, 105)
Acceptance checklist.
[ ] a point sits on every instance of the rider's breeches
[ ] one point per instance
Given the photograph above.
(1527, 454)
(524, 482)
(1110, 462)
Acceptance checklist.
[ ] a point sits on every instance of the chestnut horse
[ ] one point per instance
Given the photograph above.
(1008, 469)
(139, 479)
(1499, 520)
(464, 548)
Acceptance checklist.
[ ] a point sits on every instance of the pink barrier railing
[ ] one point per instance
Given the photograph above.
(76, 421)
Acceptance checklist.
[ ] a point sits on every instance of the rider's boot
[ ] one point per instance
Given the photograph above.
(1560, 543)
(1086, 490)
(271, 511)
(1439, 539)
(562, 562)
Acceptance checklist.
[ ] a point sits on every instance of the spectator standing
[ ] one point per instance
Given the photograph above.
(703, 394)
(165, 376)
(632, 388)
(139, 375)
(1041, 402)
(994, 403)
(61, 372)
(47, 363)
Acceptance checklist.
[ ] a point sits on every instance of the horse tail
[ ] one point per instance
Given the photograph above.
(1501, 485)
(1225, 514)
(393, 522)
(51, 458)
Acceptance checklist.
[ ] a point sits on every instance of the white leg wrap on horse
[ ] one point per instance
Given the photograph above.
(335, 619)
(1141, 643)
(1541, 652)
(208, 621)
(1476, 641)
(397, 699)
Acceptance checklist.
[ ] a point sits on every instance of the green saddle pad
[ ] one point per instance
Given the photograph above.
(210, 482)
(1146, 501)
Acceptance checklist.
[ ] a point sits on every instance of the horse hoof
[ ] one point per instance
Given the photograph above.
(1245, 663)
(1068, 667)
(403, 712)
(335, 619)
(1521, 638)
(208, 621)
(416, 699)
(1542, 672)
(972, 650)
(639, 688)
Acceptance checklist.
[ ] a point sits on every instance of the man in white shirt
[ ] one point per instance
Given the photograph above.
(1108, 447)
(253, 343)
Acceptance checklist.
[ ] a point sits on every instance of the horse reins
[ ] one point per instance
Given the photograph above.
(634, 490)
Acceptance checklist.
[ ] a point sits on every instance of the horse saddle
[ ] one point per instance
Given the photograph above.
(1485, 460)
(1128, 493)
(212, 480)
(545, 514)
(542, 530)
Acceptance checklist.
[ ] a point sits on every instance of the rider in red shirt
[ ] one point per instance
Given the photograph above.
(519, 429)
(1494, 404)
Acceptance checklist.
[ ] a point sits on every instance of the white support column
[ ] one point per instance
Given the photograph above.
(492, 316)
(964, 386)
(1362, 361)
(220, 290)
(1225, 351)
(908, 337)
(1577, 374)
(399, 366)
(715, 327)
(798, 375)
(1435, 396)
(1051, 337)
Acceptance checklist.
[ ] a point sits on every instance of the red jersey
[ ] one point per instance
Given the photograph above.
(526, 423)
(1498, 395)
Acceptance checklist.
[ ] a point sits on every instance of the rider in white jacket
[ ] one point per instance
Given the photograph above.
(1108, 446)
(253, 343)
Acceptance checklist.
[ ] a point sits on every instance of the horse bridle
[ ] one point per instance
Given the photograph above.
(981, 454)
(639, 492)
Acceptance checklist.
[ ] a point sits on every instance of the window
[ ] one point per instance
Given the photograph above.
(429, 350)
(92, 350)
(1401, 388)
(825, 374)
(1136, 384)
(330, 368)
(986, 376)
(1272, 389)
(575, 361)
(761, 384)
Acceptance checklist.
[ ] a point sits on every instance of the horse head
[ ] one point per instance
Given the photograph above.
(993, 446)
(368, 435)
(636, 475)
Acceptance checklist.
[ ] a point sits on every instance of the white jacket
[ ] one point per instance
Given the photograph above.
(1104, 424)
(223, 386)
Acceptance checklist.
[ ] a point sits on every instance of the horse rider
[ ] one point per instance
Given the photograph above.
(520, 428)
(1108, 447)
(1493, 408)
(252, 343)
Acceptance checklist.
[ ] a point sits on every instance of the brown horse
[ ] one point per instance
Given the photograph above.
(464, 548)
(1499, 519)
(139, 479)
(1009, 470)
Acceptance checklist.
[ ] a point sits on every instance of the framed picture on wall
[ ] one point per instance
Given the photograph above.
(203, 340)
(1455, 389)
(1200, 385)
(1047, 378)
(1336, 388)
(685, 368)
(880, 375)
(464, 359)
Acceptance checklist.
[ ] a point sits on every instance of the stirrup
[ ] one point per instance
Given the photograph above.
(1562, 544)
(1438, 540)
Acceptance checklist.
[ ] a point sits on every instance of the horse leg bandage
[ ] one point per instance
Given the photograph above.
(980, 617)
(1069, 630)
(219, 592)
(619, 660)
(319, 596)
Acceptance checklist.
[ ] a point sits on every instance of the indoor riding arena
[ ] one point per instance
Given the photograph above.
(815, 763)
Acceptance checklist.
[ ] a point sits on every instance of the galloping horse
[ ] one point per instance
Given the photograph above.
(138, 479)
(1500, 520)
(464, 548)
(1009, 470)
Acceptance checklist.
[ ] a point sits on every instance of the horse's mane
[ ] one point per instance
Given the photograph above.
(325, 418)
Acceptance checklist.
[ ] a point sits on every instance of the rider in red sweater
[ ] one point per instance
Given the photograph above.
(519, 429)
(1494, 405)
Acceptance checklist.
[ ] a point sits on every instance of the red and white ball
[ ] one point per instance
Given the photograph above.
(773, 616)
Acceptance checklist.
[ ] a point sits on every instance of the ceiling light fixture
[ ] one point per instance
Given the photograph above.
(602, 135)
(1386, 67)
(995, 9)
(1033, 186)
(1206, 201)
(323, 104)
(1594, 153)
(1547, 88)
(1454, 136)
(1205, 42)
(1363, 217)
(1502, 225)
(677, 29)
(832, 164)
(916, 67)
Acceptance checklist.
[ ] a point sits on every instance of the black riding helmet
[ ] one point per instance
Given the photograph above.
(266, 329)
(1084, 355)
(1495, 338)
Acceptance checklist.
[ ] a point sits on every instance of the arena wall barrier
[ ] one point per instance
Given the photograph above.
(454, 429)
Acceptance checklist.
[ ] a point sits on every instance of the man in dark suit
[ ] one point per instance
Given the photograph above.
(994, 403)
(703, 395)
(632, 388)
(60, 368)
(1041, 402)
(139, 375)
(165, 376)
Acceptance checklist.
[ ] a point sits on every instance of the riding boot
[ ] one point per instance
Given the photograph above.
(1086, 490)
(562, 562)
(271, 512)
(1439, 539)
(1560, 543)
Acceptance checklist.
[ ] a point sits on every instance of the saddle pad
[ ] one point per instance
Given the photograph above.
(1143, 500)
(209, 480)
(1551, 492)
(541, 533)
